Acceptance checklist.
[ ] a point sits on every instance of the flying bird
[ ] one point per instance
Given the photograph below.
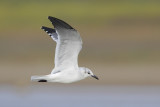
(68, 46)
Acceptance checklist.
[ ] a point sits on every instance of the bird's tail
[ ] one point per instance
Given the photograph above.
(43, 78)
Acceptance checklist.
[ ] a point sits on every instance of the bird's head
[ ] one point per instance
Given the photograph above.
(86, 72)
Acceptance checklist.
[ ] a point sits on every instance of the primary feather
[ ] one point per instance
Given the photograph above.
(68, 46)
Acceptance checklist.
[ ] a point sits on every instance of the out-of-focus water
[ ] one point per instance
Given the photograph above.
(79, 96)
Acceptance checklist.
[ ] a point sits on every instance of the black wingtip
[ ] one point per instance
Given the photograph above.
(57, 23)
(42, 27)
(42, 81)
(48, 30)
(50, 17)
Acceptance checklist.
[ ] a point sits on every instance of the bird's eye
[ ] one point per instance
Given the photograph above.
(88, 72)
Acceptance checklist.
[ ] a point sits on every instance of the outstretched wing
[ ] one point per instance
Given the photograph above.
(51, 32)
(68, 46)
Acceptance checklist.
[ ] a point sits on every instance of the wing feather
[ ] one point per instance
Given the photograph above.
(67, 49)
(51, 32)
(68, 46)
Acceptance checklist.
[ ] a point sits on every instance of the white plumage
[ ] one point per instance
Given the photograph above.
(68, 46)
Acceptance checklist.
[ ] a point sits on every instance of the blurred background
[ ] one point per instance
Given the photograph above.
(121, 45)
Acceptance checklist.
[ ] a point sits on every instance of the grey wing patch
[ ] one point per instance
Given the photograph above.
(56, 72)
(57, 23)
(51, 32)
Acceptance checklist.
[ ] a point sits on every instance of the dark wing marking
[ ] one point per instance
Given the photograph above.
(48, 30)
(57, 23)
(42, 81)
(68, 46)
(51, 32)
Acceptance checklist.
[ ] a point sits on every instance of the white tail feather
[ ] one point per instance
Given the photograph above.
(38, 78)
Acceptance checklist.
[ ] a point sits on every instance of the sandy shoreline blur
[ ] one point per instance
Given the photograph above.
(15, 73)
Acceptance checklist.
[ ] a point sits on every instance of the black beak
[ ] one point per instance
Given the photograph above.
(95, 77)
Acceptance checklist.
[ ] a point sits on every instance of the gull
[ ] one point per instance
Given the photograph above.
(68, 46)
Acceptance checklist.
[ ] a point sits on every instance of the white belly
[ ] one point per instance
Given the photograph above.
(65, 77)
